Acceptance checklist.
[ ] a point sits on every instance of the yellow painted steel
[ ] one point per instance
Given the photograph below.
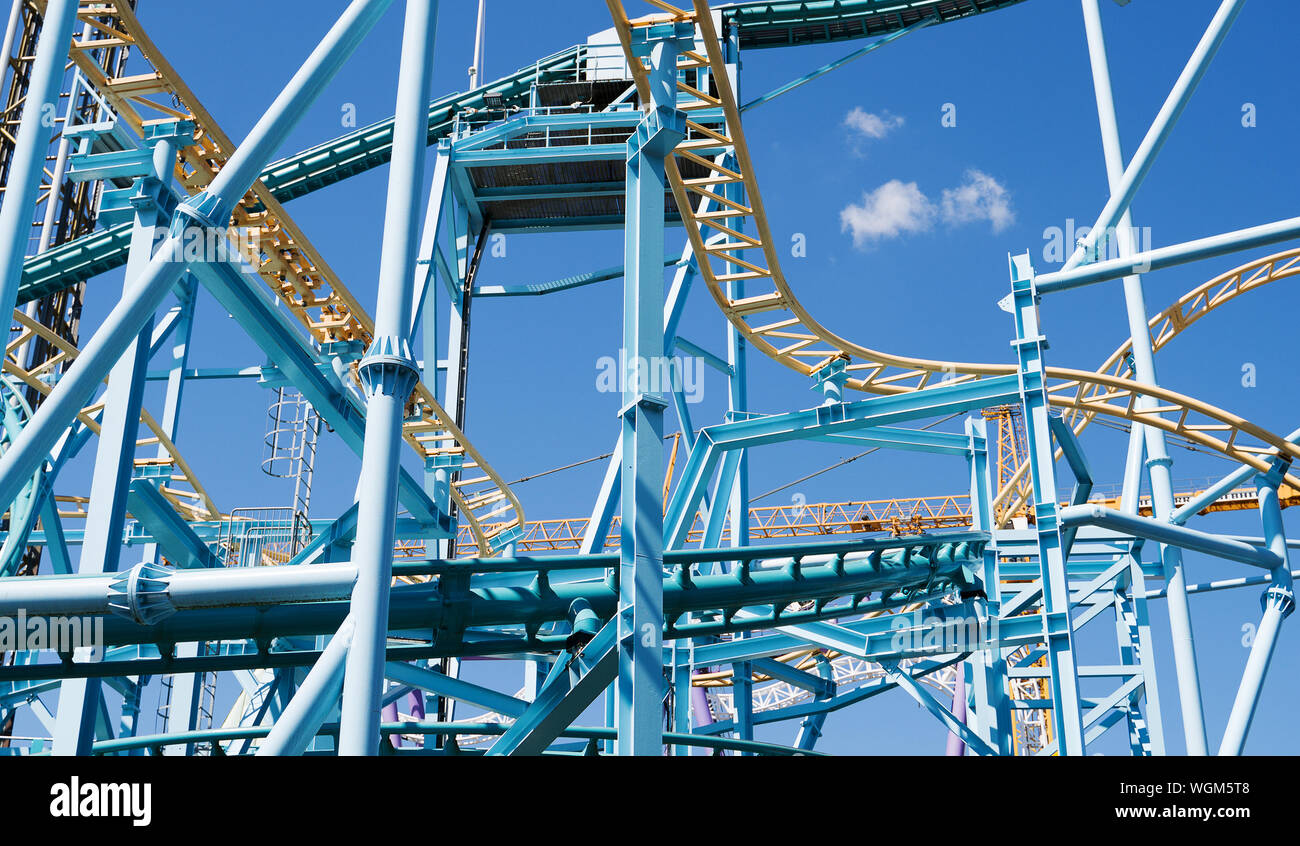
(288, 263)
(775, 322)
(182, 489)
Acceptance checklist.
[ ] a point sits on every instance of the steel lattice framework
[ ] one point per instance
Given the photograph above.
(694, 615)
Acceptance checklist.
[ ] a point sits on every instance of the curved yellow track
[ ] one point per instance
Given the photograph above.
(775, 322)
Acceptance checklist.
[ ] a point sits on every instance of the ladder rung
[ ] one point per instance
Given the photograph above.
(753, 305)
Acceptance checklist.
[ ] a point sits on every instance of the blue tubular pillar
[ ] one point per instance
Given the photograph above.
(389, 375)
(101, 550)
(1058, 632)
(210, 208)
(1127, 185)
(991, 715)
(640, 573)
(315, 698)
(31, 143)
(1278, 602)
(1144, 370)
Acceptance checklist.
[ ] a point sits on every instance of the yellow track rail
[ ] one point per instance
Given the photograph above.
(1171, 322)
(191, 500)
(289, 264)
(771, 318)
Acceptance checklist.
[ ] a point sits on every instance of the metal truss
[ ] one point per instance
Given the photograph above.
(708, 616)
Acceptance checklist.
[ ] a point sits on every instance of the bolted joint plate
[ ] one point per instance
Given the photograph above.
(658, 133)
(388, 368)
(643, 39)
(1280, 595)
(142, 594)
(203, 210)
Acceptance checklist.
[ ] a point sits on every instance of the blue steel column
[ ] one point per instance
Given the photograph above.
(737, 499)
(101, 550)
(641, 686)
(208, 209)
(1278, 603)
(31, 143)
(1058, 632)
(990, 714)
(389, 374)
(1144, 370)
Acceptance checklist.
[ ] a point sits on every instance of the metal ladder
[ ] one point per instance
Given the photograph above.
(293, 428)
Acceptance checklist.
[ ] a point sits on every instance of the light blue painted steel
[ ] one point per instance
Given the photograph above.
(211, 207)
(838, 63)
(30, 143)
(1142, 355)
(389, 375)
(315, 698)
(1057, 628)
(1278, 602)
(571, 686)
(1181, 536)
(640, 617)
(79, 699)
(1123, 192)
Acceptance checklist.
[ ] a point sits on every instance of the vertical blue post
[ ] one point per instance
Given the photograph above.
(1058, 633)
(641, 686)
(389, 374)
(991, 713)
(101, 549)
(31, 144)
(211, 208)
(1278, 602)
(1144, 370)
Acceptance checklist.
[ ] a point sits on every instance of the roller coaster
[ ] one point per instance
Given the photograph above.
(676, 618)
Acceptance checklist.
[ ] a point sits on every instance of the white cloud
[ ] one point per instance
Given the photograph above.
(980, 197)
(890, 210)
(897, 208)
(872, 126)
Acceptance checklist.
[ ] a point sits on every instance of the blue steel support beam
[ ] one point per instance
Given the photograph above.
(922, 696)
(454, 688)
(187, 291)
(570, 687)
(1211, 494)
(272, 330)
(31, 143)
(168, 529)
(1179, 536)
(1137, 648)
(989, 667)
(79, 699)
(1058, 631)
(315, 698)
(209, 209)
(389, 374)
(1171, 256)
(841, 418)
(1126, 186)
(640, 616)
(838, 63)
(1143, 355)
(1278, 602)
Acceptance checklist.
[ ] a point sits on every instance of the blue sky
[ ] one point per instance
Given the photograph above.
(861, 151)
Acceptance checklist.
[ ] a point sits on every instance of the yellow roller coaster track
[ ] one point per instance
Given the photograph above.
(774, 321)
(289, 264)
(191, 501)
(1171, 322)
